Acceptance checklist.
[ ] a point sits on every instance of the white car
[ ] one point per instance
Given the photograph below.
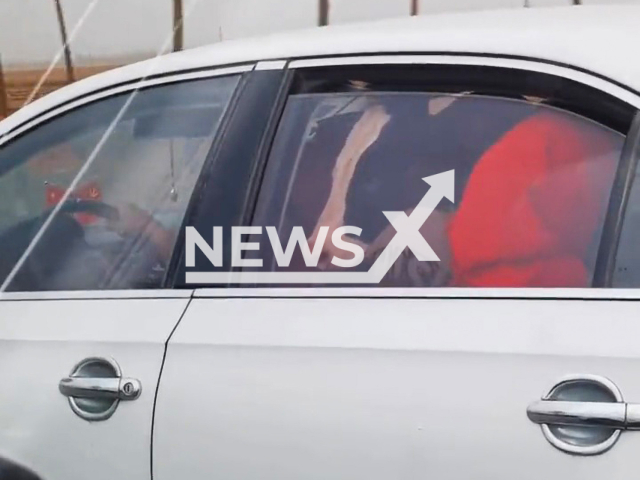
(130, 349)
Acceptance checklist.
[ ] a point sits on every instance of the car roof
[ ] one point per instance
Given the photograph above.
(599, 39)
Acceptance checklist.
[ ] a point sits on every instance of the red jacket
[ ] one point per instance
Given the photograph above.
(534, 204)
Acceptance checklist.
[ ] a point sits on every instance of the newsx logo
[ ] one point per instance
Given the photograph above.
(407, 236)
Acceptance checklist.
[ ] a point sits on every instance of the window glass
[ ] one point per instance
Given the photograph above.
(627, 269)
(128, 166)
(531, 186)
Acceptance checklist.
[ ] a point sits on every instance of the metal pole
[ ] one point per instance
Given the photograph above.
(323, 12)
(4, 102)
(178, 26)
(414, 8)
(68, 62)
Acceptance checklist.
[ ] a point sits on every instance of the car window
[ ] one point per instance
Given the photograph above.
(626, 273)
(532, 183)
(125, 167)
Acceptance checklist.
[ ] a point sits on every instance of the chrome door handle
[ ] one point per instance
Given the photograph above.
(622, 416)
(95, 387)
(584, 414)
(107, 388)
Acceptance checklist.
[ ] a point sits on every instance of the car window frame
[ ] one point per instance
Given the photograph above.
(48, 115)
(582, 76)
(240, 159)
(604, 272)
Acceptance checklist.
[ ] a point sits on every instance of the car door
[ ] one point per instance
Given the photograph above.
(48, 341)
(496, 362)
(94, 194)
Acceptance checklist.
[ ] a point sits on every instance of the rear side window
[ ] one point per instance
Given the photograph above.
(626, 273)
(532, 185)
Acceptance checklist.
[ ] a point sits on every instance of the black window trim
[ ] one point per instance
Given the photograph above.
(170, 279)
(235, 164)
(521, 62)
(618, 201)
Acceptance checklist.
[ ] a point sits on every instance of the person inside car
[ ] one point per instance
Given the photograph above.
(381, 165)
(137, 211)
(536, 226)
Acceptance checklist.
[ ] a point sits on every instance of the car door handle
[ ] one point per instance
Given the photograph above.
(96, 386)
(101, 388)
(584, 414)
(623, 416)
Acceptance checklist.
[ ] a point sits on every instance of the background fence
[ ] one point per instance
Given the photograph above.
(50, 43)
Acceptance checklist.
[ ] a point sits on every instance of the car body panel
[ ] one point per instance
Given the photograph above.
(328, 383)
(384, 387)
(40, 342)
(378, 383)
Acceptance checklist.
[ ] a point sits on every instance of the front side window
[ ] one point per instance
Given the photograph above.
(94, 198)
(532, 184)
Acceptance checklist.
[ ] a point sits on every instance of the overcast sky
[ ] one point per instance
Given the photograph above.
(133, 28)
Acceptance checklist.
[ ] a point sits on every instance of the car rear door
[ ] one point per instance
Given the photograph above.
(532, 379)
(397, 384)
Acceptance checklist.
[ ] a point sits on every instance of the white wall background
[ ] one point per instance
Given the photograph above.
(114, 28)
(124, 30)
(28, 30)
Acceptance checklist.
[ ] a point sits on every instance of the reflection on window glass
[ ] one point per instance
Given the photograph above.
(627, 268)
(132, 181)
(532, 184)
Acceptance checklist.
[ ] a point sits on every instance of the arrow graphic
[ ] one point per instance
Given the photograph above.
(408, 227)
(407, 236)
